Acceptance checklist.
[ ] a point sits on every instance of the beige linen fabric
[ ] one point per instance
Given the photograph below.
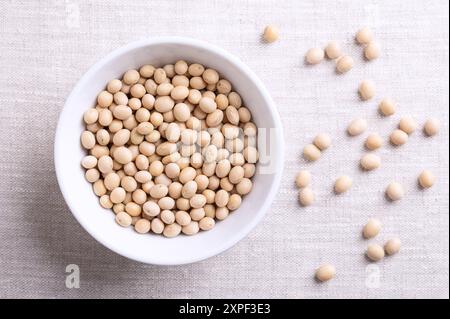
(47, 45)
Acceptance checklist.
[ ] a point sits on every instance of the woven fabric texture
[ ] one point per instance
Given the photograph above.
(45, 48)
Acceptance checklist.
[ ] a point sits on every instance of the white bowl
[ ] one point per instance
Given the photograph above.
(150, 248)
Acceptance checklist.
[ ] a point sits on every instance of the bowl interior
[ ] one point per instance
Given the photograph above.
(155, 249)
